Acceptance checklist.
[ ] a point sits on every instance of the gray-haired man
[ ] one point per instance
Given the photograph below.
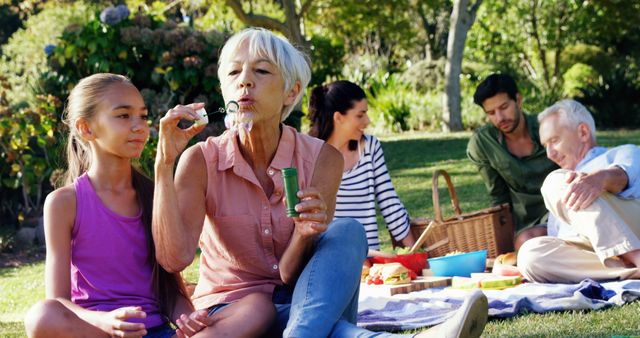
(594, 204)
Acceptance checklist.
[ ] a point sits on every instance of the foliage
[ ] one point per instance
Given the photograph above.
(539, 42)
(389, 103)
(425, 75)
(387, 30)
(326, 60)
(614, 102)
(578, 76)
(9, 21)
(23, 60)
(27, 146)
(170, 63)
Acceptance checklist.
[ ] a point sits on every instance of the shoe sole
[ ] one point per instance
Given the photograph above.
(475, 313)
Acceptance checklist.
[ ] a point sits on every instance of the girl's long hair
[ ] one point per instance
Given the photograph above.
(166, 286)
(83, 102)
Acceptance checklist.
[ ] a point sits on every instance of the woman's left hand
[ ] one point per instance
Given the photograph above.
(189, 325)
(313, 213)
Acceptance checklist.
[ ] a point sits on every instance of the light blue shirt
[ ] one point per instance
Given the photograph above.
(626, 157)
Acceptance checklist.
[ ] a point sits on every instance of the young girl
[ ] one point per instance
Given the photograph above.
(338, 115)
(101, 274)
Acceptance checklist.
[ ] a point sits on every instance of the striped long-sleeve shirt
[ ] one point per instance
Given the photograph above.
(367, 182)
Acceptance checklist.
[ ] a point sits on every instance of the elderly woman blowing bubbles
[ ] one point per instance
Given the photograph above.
(256, 262)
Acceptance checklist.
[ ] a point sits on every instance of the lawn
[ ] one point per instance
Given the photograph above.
(411, 158)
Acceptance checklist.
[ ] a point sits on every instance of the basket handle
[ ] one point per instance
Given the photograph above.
(436, 196)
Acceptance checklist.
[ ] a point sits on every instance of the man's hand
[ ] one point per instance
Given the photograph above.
(583, 189)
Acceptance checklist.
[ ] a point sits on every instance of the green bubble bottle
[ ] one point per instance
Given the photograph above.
(290, 180)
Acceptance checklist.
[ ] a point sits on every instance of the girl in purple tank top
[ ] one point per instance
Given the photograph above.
(101, 274)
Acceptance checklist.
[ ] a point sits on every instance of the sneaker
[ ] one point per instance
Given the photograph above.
(467, 322)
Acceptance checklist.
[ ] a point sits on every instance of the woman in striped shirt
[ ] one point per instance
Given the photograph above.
(338, 114)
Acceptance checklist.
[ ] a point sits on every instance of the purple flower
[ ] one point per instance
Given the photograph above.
(123, 11)
(113, 15)
(110, 16)
(49, 48)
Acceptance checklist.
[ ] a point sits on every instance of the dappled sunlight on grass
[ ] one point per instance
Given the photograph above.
(20, 288)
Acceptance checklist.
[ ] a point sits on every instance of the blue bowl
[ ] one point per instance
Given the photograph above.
(459, 265)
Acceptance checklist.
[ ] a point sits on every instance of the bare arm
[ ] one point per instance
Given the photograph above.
(59, 216)
(179, 210)
(585, 188)
(178, 207)
(316, 211)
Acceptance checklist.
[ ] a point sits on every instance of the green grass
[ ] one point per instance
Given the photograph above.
(412, 158)
(19, 289)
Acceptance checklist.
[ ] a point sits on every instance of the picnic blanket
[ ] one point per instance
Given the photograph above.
(432, 306)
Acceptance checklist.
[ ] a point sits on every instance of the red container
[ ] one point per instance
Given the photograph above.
(415, 262)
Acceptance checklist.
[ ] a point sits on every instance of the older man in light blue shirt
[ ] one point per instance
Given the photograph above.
(594, 204)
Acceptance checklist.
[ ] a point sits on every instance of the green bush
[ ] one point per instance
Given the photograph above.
(578, 76)
(169, 63)
(23, 59)
(425, 75)
(326, 60)
(388, 99)
(28, 148)
(426, 110)
(615, 101)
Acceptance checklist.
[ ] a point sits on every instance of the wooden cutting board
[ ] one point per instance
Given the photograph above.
(418, 284)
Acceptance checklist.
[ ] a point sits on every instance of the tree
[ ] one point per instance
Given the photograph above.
(434, 22)
(291, 26)
(462, 17)
(538, 42)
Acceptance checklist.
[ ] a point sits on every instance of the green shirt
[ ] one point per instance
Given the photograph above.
(511, 179)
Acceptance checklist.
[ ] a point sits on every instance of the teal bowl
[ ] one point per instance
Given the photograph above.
(459, 265)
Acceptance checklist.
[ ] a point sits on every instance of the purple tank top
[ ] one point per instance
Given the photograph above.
(109, 258)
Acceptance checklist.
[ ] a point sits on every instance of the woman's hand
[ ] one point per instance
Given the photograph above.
(115, 322)
(192, 324)
(313, 213)
(173, 139)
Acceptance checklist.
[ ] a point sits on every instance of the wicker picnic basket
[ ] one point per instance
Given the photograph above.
(490, 228)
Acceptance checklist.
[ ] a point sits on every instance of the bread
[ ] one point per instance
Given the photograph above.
(365, 273)
(508, 258)
(391, 273)
(395, 273)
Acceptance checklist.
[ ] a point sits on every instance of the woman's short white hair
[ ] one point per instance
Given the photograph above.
(571, 113)
(262, 43)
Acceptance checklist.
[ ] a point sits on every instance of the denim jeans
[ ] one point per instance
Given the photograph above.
(325, 297)
(162, 331)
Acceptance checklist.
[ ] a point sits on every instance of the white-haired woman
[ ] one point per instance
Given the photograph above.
(228, 194)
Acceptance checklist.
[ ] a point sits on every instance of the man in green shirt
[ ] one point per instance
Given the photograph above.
(509, 156)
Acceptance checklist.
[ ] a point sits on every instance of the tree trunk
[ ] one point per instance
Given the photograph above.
(462, 17)
(291, 27)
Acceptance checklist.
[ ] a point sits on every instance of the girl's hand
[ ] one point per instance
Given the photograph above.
(173, 139)
(192, 324)
(312, 220)
(115, 322)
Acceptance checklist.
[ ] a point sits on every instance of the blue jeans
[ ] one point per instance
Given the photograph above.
(162, 331)
(325, 297)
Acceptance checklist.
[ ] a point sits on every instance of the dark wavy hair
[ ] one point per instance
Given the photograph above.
(325, 100)
(494, 84)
